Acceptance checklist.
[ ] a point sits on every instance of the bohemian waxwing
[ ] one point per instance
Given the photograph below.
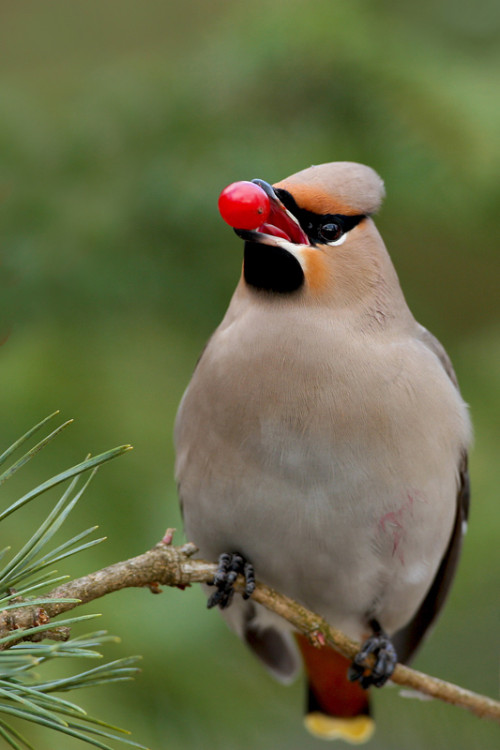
(323, 441)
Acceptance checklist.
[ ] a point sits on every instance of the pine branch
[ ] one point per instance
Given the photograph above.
(174, 566)
(24, 693)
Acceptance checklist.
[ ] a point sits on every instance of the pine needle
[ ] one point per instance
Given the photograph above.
(24, 695)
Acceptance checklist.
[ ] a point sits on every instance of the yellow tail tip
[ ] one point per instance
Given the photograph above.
(355, 729)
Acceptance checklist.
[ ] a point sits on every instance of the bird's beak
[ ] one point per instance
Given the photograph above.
(280, 225)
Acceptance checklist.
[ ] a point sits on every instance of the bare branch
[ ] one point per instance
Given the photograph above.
(165, 565)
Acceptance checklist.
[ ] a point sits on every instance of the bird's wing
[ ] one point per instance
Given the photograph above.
(436, 347)
(407, 640)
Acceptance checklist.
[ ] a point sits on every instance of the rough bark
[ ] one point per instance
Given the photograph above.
(166, 565)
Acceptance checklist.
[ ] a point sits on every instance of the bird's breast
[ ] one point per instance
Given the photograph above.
(314, 440)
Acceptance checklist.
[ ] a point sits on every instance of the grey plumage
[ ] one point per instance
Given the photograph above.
(323, 437)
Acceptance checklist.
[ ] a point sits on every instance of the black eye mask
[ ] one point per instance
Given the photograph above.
(320, 228)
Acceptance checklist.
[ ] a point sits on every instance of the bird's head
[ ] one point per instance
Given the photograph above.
(318, 241)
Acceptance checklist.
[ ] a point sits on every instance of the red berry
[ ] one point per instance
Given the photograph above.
(244, 205)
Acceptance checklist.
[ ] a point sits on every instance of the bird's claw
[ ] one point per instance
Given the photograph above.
(380, 646)
(229, 568)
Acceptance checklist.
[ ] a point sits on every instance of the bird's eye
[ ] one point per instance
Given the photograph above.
(330, 232)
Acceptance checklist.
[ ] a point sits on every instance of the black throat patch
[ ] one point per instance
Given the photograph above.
(271, 268)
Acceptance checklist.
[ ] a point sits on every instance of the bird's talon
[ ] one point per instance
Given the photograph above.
(380, 646)
(229, 568)
(355, 672)
(249, 575)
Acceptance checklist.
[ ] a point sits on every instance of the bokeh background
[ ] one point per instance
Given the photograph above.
(120, 122)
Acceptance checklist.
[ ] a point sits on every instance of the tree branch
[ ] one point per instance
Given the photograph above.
(173, 566)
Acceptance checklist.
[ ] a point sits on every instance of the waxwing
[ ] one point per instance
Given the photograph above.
(322, 442)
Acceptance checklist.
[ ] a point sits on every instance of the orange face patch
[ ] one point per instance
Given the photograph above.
(315, 199)
(316, 270)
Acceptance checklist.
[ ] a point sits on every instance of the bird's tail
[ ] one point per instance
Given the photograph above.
(337, 708)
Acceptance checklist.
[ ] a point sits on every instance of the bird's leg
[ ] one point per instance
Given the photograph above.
(380, 645)
(229, 568)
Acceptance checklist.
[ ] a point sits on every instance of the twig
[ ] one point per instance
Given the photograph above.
(174, 566)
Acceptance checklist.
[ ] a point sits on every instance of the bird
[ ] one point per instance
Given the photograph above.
(321, 446)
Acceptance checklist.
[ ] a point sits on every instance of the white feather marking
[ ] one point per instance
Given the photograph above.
(340, 240)
(414, 694)
(417, 573)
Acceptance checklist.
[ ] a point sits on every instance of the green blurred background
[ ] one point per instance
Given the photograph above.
(120, 122)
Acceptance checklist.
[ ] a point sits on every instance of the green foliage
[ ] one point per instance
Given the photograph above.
(24, 694)
(120, 122)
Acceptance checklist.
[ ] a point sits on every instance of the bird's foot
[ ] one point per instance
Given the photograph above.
(380, 646)
(229, 568)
